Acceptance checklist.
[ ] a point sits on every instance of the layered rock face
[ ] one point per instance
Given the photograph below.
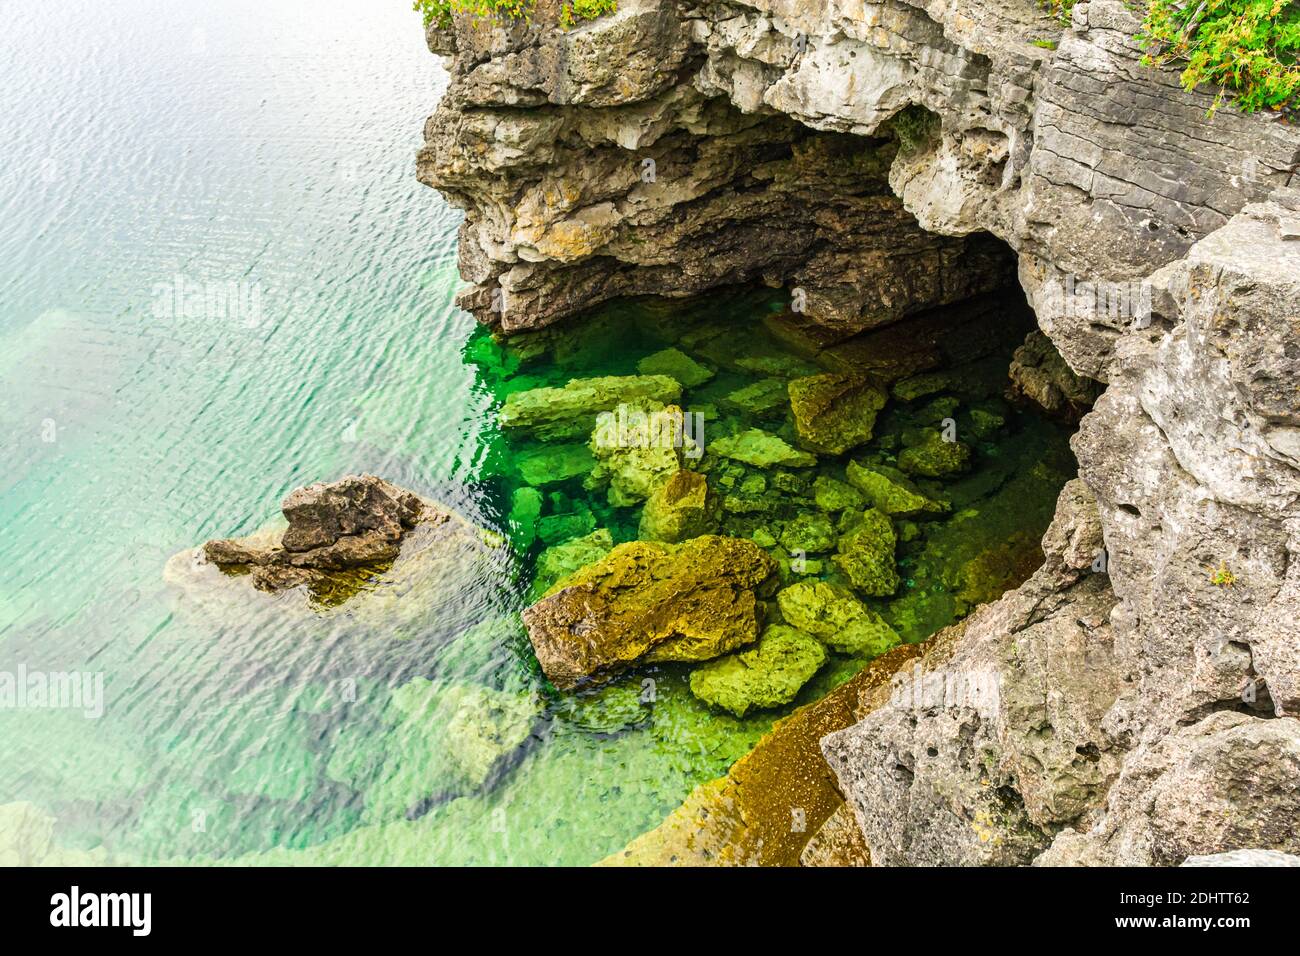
(1134, 701)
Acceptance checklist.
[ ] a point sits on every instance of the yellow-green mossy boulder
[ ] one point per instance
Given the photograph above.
(563, 414)
(761, 449)
(935, 458)
(833, 412)
(890, 491)
(835, 617)
(769, 674)
(648, 602)
(679, 508)
(866, 555)
(676, 364)
(635, 450)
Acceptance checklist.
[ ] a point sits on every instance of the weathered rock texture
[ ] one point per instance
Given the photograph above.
(861, 153)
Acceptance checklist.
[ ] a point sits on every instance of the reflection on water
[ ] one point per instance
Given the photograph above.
(220, 282)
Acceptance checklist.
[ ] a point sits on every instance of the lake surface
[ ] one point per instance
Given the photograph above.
(219, 281)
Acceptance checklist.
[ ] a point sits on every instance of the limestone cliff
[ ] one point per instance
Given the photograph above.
(877, 159)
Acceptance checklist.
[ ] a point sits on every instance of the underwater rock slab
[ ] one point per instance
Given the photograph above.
(679, 508)
(636, 450)
(570, 412)
(764, 397)
(834, 413)
(560, 560)
(554, 464)
(935, 458)
(768, 674)
(866, 555)
(833, 495)
(676, 364)
(753, 446)
(647, 601)
(836, 617)
(891, 492)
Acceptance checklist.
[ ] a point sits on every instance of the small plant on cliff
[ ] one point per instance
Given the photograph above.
(1247, 46)
(1221, 577)
(440, 11)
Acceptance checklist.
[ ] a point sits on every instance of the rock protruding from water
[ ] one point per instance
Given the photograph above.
(650, 602)
(355, 522)
(768, 674)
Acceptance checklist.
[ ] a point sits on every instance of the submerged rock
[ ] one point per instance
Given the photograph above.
(762, 450)
(891, 492)
(935, 458)
(811, 533)
(866, 555)
(676, 364)
(646, 602)
(768, 674)
(834, 413)
(635, 450)
(833, 495)
(560, 560)
(679, 508)
(570, 412)
(761, 398)
(554, 464)
(837, 618)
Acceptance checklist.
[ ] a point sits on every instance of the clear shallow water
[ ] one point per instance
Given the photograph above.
(269, 149)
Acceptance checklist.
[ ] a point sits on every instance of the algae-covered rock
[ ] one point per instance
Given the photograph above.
(560, 560)
(811, 533)
(935, 458)
(891, 492)
(762, 450)
(986, 420)
(525, 509)
(562, 527)
(833, 412)
(607, 710)
(769, 674)
(837, 618)
(555, 463)
(441, 739)
(648, 601)
(679, 508)
(866, 555)
(758, 399)
(635, 450)
(677, 365)
(570, 412)
(833, 495)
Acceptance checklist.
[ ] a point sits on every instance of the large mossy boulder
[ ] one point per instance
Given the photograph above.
(890, 491)
(680, 507)
(834, 413)
(935, 457)
(564, 414)
(768, 674)
(649, 602)
(761, 449)
(866, 555)
(835, 617)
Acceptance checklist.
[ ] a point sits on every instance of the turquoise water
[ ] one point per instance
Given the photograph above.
(220, 281)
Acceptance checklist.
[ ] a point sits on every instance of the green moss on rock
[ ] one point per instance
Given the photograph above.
(866, 555)
(769, 674)
(935, 458)
(837, 618)
(834, 413)
(676, 364)
(891, 492)
(761, 449)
